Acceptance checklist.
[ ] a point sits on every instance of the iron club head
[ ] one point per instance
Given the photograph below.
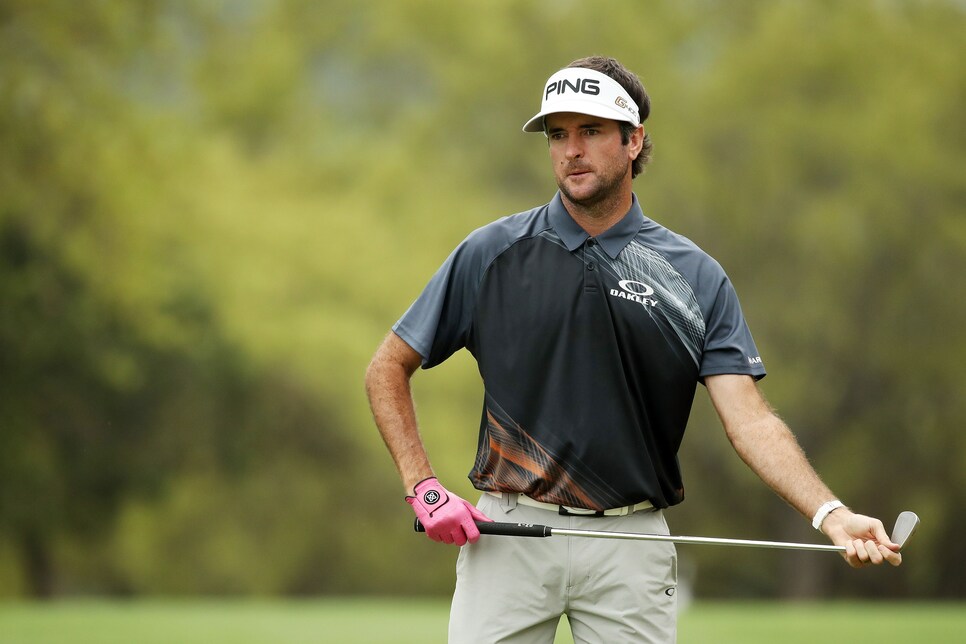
(906, 524)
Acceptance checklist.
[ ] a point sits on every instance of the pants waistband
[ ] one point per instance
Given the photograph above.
(514, 498)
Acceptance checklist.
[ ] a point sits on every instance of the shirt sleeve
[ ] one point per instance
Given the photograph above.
(729, 347)
(438, 323)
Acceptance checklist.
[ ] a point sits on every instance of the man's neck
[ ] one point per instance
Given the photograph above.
(598, 217)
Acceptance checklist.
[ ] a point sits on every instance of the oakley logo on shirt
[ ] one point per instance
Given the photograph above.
(635, 292)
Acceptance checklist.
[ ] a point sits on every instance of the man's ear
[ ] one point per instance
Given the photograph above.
(636, 142)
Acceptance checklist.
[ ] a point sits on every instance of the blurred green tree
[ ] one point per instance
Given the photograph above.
(116, 378)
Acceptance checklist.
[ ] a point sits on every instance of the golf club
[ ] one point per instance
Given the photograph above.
(906, 524)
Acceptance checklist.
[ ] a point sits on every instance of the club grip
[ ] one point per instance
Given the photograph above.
(504, 529)
(513, 529)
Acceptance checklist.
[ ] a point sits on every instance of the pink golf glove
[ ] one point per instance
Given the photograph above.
(445, 516)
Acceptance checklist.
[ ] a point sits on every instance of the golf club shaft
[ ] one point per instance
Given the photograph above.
(707, 541)
(529, 530)
(524, 530)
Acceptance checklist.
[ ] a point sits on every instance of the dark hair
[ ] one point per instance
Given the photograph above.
(630, 82)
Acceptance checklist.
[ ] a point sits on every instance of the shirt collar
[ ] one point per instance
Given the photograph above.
(613, 240)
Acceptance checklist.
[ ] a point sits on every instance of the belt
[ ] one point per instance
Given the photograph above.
(514, 498)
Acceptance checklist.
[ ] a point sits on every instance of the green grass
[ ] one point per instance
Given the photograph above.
(395, 621)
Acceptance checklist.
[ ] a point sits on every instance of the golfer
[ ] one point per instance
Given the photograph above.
(592, 326)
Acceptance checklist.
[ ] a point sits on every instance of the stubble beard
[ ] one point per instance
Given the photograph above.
(598, 201)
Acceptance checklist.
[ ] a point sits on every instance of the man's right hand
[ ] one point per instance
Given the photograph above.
(446, 517)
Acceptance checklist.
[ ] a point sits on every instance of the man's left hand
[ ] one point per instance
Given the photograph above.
(865, 539)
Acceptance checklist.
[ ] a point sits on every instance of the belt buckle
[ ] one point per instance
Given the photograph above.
(565, 511)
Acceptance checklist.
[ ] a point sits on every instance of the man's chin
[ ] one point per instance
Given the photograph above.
(583, 195)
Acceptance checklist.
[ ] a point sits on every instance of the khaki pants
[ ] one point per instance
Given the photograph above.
(514, 589)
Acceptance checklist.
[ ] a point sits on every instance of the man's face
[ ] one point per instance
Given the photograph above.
(589, 160)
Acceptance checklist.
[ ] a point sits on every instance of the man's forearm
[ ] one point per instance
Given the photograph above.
(765, 443)
(772, 452)
(390, 398)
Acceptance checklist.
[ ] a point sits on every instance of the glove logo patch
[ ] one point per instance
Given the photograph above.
(431, 497)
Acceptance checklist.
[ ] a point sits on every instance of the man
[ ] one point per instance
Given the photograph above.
(591, 326)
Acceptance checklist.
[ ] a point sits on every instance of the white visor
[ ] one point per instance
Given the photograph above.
(584, 91)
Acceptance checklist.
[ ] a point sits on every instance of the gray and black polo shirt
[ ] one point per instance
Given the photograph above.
(590, 351)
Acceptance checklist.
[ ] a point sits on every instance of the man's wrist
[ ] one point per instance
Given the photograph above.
(416, 482)
(823, 511)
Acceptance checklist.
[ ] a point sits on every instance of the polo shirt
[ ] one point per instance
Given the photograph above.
(590, 350)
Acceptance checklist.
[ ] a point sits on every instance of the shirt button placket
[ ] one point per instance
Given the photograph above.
(590, 265)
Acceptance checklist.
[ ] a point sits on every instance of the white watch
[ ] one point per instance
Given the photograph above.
(823, 511)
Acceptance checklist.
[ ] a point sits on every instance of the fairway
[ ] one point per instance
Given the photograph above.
(395, 621)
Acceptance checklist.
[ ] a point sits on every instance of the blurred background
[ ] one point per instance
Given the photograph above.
(211, 212)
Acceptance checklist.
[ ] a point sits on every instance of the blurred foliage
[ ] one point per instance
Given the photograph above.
(212, 212)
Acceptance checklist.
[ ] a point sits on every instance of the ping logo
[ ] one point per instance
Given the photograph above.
(578, 86)
(635, 292)
(431, 497)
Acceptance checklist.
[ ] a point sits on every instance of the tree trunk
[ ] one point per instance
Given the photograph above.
(37, 566)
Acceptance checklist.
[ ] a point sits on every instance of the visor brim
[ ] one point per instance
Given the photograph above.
(536, 124)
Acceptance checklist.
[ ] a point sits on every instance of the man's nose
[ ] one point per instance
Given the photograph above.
(575, 148)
